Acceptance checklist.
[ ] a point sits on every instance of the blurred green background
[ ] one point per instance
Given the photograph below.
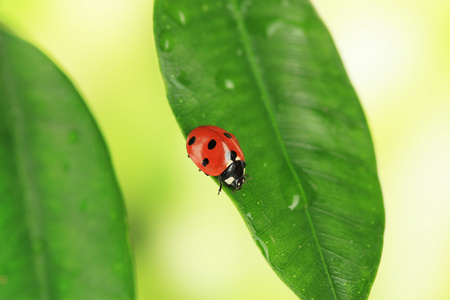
(192, 244)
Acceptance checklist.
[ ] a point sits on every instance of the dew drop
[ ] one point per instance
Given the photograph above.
(249, 215)
(225, 81)
(274, 27)
(277, 27)
(182, 17)
(229, 84)
(295, 201)
(180, 81)
(165, 41)
(263, 246)
(179, 14)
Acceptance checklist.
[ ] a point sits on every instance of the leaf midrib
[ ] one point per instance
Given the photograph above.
(27, 187)
(249, 53)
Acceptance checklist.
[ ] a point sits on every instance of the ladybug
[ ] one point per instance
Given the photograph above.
(217, 153)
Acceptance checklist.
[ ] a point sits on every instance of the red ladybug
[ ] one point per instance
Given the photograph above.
(217, 153)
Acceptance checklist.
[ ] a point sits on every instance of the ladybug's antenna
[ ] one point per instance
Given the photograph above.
(247, 178)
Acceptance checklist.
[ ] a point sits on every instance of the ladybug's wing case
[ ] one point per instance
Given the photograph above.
(209, 161)
(223, 134)
(209, 147)
(229, 139)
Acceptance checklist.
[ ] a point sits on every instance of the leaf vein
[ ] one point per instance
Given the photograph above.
(265, 97)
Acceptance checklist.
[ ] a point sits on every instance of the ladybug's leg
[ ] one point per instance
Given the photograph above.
(220, 182)
(203, 172)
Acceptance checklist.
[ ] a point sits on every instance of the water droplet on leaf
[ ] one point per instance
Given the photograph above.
(179, 14)
(180, 81)
(263, 246)
(295, 201)
(280, 27)
(165, 41)
(225, 81)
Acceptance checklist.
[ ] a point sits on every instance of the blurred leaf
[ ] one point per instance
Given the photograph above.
(268, 72)
(62, 218)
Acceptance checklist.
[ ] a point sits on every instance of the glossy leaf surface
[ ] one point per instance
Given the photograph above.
(268, 71)
(62, 221)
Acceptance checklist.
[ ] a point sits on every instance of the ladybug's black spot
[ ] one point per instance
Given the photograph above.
(233, 155)
(191, 141)
(205, 162)
(227, 135)
(211, 144)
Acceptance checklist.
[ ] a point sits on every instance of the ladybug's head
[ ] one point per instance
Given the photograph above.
(234, 174)
(238, 182)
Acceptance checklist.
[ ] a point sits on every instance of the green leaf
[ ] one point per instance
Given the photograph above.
(268, 71)
(62, 218)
